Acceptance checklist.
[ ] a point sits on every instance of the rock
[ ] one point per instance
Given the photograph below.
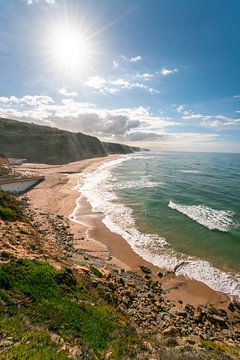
(148, 277)
(125, 300)
(171, 342)
(182, 313)
(171, 330)
(5, 342)
(216, 319)
(56, 339)
(190, 309)
(121, 281)
(145, 269)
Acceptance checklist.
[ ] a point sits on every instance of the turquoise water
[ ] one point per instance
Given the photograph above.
(190, 199)
(180, 211)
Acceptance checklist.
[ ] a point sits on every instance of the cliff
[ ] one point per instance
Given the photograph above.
(43, 144)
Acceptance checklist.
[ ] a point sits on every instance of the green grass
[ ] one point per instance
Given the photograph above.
(220, 347)
(10, 207)
(54, 299)
(27, 344)
(96, 272)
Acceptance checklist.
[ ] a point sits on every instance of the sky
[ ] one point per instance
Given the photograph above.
(162, 74)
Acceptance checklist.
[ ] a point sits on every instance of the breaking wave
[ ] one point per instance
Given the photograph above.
(212, 219)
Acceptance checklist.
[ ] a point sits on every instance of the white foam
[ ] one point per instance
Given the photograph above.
(97, 188)
(142, 183)
(210, 218)
(190, 171)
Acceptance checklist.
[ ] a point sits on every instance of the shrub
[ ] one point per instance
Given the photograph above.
(10, 207)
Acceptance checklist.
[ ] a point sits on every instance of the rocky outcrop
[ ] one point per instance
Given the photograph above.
(43, 144)
(5, 169)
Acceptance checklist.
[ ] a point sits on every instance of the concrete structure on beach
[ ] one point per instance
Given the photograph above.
(13, 182)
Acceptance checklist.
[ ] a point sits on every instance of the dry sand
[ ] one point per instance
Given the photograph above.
(93, 239)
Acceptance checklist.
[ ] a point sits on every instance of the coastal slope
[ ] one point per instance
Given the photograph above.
(44, 144)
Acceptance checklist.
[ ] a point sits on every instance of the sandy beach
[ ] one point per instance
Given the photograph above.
(94, 243)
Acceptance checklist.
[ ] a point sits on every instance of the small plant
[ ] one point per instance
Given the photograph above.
(96, 272)
(8, 214)
(10, 207)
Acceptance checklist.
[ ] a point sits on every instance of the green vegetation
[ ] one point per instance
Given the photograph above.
(10, 207)
(26, 344)
(34, 292)
(219, 348)
(96, 272)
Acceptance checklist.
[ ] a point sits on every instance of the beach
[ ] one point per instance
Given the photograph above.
(94, 242)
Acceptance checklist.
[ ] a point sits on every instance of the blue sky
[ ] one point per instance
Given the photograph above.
(163, 74)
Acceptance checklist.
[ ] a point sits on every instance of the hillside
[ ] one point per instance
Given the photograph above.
(43, 144)
(52, 308)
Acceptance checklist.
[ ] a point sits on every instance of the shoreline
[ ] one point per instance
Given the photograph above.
(95, 243)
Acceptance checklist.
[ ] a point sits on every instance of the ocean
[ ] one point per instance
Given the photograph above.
(180, 211)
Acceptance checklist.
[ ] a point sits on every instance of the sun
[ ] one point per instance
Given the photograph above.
(69, 49)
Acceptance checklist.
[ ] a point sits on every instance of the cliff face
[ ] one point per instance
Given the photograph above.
(43, 144)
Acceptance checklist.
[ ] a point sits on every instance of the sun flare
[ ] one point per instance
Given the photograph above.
(69, 49)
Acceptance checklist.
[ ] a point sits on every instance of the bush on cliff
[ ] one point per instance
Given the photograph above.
(10, 207)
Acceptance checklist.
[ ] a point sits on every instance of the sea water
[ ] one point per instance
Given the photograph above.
(180, 211)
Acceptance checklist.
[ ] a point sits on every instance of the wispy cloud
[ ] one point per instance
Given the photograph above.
(111, 86)
(31, 100)
(49, 2)
(66, 93)
(136, 59)
(145, 76)
(115, 64)
(208, 120)
(167, 71)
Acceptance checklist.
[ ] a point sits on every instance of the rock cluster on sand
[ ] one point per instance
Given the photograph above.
(142, 299)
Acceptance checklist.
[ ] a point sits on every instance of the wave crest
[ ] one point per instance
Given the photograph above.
(210, 218)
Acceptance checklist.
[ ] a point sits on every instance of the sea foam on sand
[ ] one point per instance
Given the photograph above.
(98, 189)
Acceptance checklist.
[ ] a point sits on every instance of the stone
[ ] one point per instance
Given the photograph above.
(145, 269)
(171, 330)
(216, 319)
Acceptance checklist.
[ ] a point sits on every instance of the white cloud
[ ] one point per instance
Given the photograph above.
(136, 59)
(180, 108)
(104, 86)
(49, 2)
(66, 93)
(219, 121)
(96, 82)
(145, 76)
(115, 64)
(212, 121)
(31, 100)
(166, 71)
